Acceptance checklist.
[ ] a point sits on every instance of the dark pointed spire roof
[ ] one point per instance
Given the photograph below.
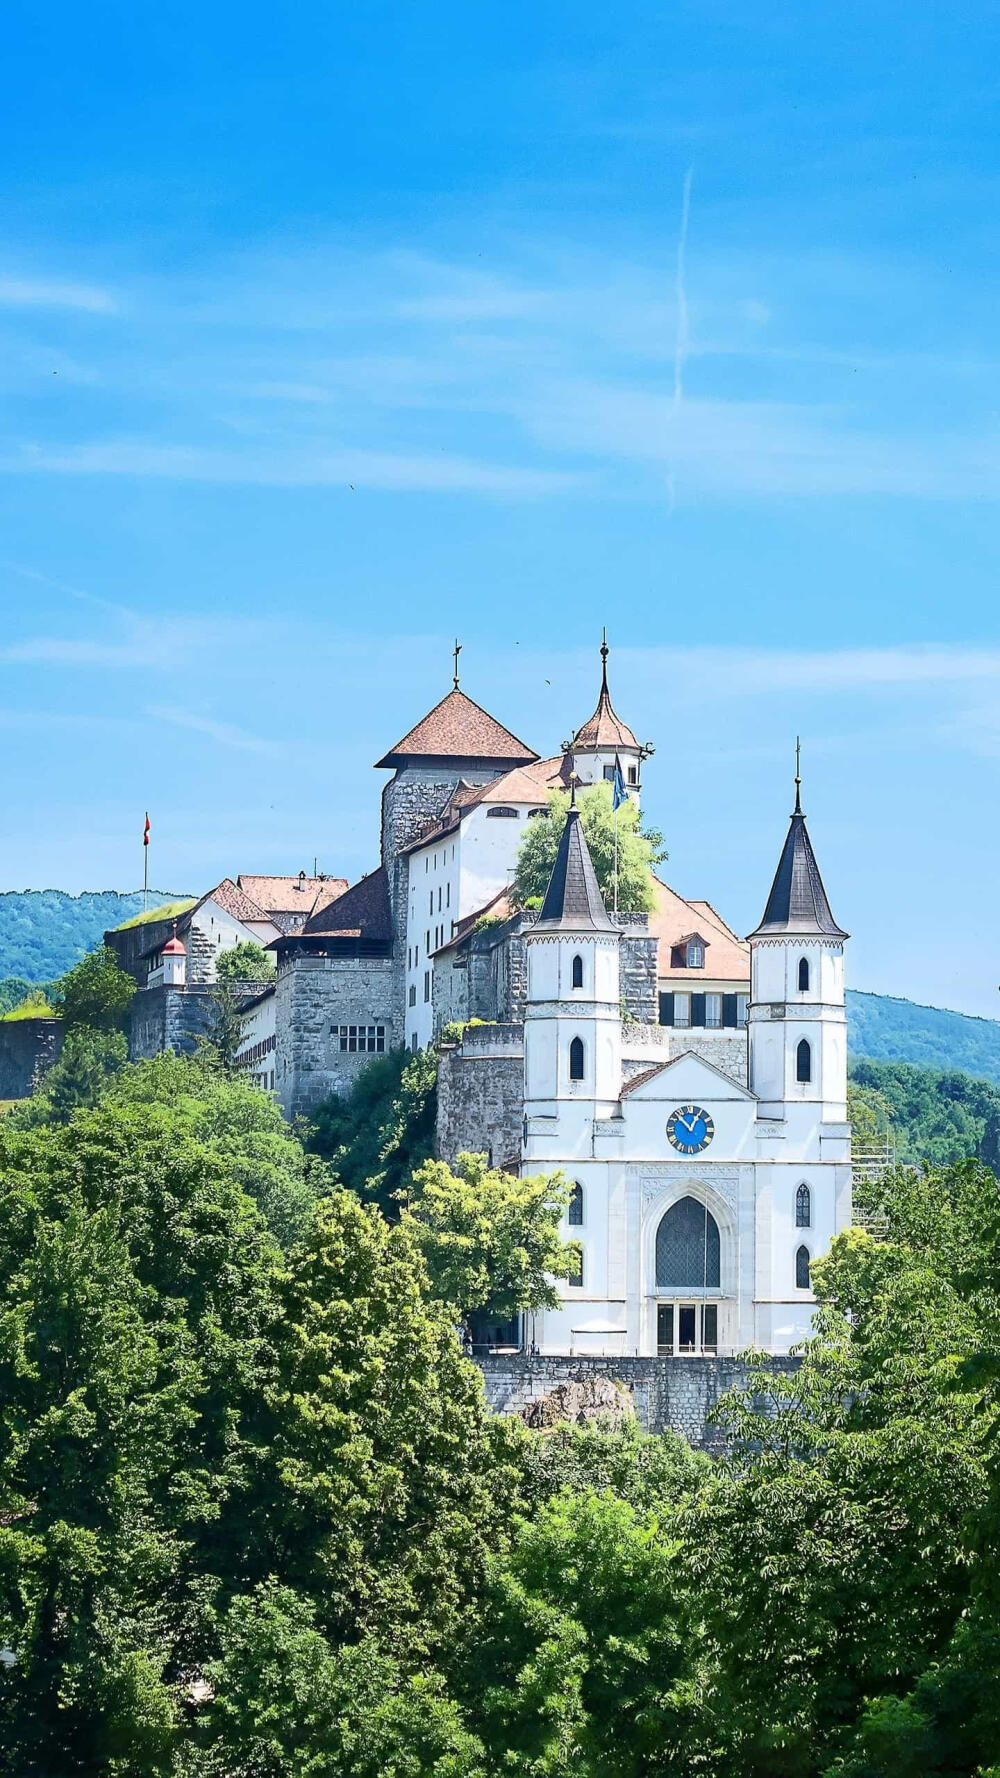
(573, 897)
(605, 728)
(797, 904)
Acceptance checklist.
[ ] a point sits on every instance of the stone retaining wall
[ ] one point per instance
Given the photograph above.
(27, 1048)
(674, 1393)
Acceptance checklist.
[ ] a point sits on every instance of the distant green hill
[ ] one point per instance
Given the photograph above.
(893, 1030)
(43, 932)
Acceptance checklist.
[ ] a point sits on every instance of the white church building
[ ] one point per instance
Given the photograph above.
(698, 1203)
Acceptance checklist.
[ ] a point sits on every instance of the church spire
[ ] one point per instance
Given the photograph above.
(573, 897)
(605, 729)
(797, 905)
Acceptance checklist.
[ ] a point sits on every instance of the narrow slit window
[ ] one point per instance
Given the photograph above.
(576, 1059)
(578, 972)
(802, 1269)
(803, 1208)
(803, 1061)
(574, 1214)
(803, 975)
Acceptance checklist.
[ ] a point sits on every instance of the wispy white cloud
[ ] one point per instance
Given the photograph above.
(40, 293)
(385, 470)
(74, 651)
(769, 672)
(224, 734)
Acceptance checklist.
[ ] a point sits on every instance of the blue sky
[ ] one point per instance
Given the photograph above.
(329, 332)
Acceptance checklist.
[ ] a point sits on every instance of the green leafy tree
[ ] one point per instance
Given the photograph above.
(638, 849)
(245, 962)
(378, 1134)
(219, 1046)
(87, 1062)
(96, 992)
(490, 1239)
(285, 1703)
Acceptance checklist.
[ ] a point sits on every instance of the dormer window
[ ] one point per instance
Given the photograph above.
(688, 952)
(695, 954)
(507, 814)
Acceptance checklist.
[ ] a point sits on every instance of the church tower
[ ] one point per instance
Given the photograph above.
(572, 1027)
(798, 1023)
(604, 738)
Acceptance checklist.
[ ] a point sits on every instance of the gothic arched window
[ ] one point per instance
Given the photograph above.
(578, 972)
(687, 1248)
(802, 1269)
(803, 1061)
(574, 1213)
(803, 1208)
(803, 975)
(575, 1263)
(576, 1059)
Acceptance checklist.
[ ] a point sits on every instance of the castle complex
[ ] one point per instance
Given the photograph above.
(692, 1087)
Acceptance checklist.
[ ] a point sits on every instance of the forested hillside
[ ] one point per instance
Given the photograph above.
(934, 1116)
(894, 1030)
(43, 932)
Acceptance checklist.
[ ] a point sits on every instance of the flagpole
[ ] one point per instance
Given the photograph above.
(145, 866)
(616, 857)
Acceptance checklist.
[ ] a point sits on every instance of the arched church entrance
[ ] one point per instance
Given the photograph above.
(688, 1266)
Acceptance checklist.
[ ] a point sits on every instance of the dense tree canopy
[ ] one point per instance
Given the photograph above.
(245, 962)
(638, 849)
(96, 992)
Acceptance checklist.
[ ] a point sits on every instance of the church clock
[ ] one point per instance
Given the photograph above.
(690, 1129)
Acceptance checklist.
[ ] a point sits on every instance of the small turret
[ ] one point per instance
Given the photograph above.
(798, 1025)
(172, 964)
(604, 739)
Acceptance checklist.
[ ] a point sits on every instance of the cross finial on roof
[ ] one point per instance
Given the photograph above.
(798, 776)
(456, 652)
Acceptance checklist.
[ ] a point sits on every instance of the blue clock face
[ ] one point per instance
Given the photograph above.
(690, 1129)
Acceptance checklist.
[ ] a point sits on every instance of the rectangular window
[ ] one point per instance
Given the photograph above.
(416, 955)
(367, 1038)
(709, 1327)
(713, 1011)
(576, 1264)
(447, 899)
(682, 1010)
(665, 1329)
(427, 984)
(742, 1002)
(439, 898)
(633, 774)
(430, 909)
(409, 956)
(427, 940)
(609, 774)
(413, 993)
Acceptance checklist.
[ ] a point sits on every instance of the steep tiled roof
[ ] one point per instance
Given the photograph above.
(233, 900)
(605, 728)
(573, 897)
(363, 912)
(290, 895)
(639, 1080)
(457, 728)
(797, 904)
(672, 919)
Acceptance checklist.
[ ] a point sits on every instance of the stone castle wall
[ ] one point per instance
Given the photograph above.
(481, 1096)
(177, 1018)
(668, 1394)
(27, 1048)
(313, 995)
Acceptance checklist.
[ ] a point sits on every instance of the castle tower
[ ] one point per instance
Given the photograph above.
(572, 1028)
(604, 738)
(798, 1023)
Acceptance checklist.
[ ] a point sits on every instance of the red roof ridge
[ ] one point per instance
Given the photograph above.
(458, 728)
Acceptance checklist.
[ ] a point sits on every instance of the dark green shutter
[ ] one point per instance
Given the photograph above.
(666, 1009)
(697, 1009)
(729, 1009)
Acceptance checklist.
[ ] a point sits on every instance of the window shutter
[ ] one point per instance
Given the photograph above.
(729, 1009)
(697, 1009)
(666, 1009)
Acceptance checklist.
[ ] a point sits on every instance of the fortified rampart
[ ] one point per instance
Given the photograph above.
(27, 1048)
(668, 1394)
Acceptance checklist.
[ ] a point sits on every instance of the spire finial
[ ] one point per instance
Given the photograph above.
(574, 779)
(605, 651)
(456, 651)
(798, 775)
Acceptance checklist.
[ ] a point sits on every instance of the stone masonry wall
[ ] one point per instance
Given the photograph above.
(668, 1393)
(176, 1018)
(27, 1048)
(480, 1104)
(313, 995)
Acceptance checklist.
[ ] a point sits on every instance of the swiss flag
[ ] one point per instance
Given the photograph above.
(145, 831)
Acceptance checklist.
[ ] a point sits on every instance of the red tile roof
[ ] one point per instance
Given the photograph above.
(233, 900)
(290, 895)
(457, 728)
(672, 920)
(605, 728)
